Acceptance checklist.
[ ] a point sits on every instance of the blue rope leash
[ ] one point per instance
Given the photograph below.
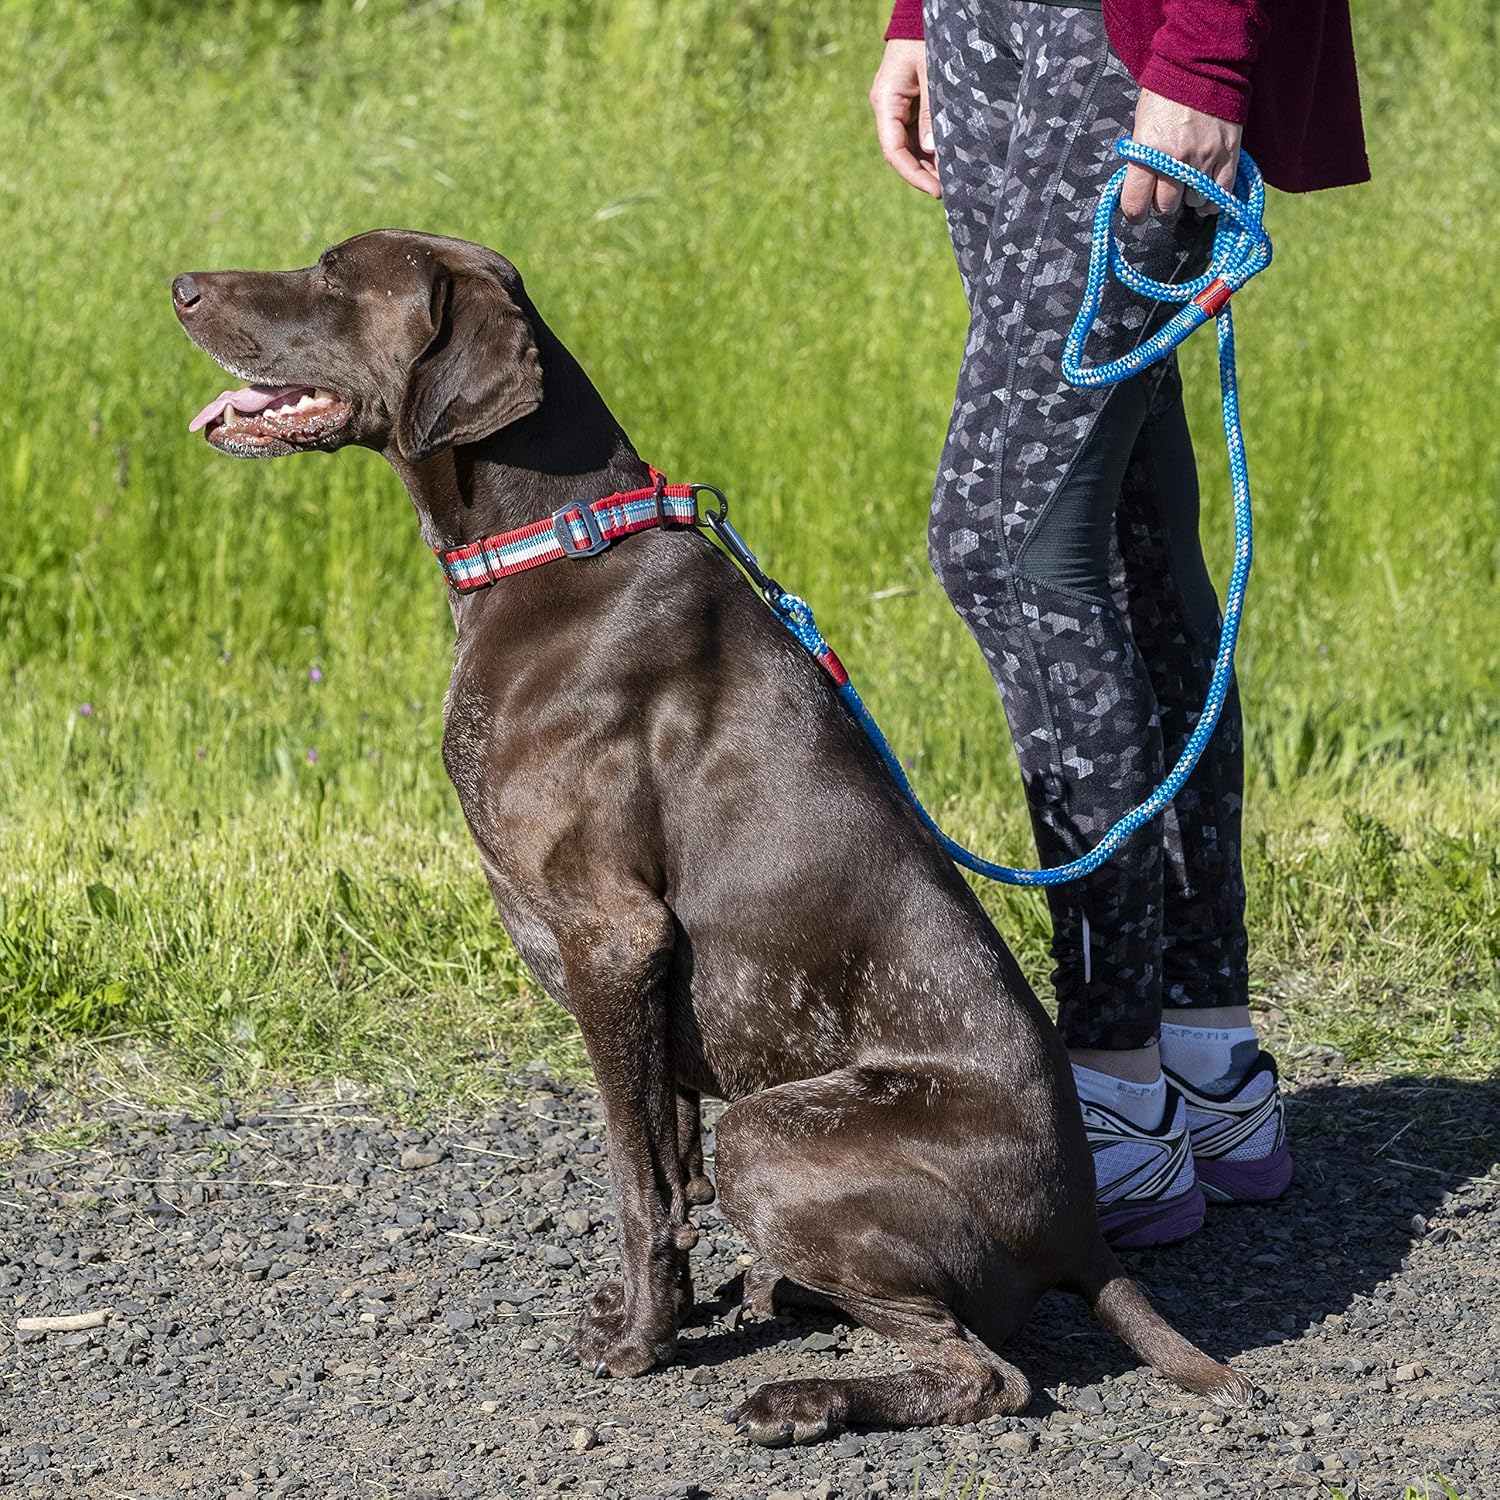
(1241, 249)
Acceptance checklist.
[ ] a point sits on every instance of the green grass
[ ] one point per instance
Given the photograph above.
(693, 193)
(953, 1486)
(1433, 1488)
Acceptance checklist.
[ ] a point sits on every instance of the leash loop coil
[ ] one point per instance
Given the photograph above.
(1241, 250)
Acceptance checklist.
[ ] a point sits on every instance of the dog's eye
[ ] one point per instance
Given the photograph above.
(328, 276)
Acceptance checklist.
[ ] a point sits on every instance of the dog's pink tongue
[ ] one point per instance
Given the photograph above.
(246, 401)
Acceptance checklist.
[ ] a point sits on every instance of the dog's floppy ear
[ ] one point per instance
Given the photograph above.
(480, 372)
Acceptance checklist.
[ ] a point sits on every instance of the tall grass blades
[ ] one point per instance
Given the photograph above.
(223, 819)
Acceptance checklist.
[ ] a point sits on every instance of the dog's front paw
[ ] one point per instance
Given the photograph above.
(792, 1411)
(606, 1346)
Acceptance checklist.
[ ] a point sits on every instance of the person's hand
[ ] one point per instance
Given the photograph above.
(903, 117)
(1203, 141)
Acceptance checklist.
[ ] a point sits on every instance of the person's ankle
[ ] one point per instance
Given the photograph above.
(1127, 1080)
(1222, 1017)
(1211, 1050)
(1133, 1064)
(1143, 1104)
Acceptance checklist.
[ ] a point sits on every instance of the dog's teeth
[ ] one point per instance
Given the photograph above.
(321, 395)
(230, 416)
(304, 401)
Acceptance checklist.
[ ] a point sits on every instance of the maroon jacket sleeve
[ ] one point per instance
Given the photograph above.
(1303, 125)
(1203, 52)
(906, 22)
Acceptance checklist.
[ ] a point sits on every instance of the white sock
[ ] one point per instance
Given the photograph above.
(1214, 1058)
(1143, 1104)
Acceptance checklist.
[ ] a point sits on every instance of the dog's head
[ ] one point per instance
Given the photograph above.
(406, 343)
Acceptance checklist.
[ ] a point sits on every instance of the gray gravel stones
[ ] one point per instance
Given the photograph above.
(305, 1299)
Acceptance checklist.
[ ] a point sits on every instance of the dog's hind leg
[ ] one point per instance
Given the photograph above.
(851, 1185)
(767, 1292)
(954, 1378)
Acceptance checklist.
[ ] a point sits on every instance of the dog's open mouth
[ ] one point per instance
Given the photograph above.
(271, 418)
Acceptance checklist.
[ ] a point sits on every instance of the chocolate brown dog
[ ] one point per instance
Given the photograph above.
(698, 854)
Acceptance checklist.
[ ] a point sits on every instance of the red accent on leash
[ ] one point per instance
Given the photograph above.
(1214, 298)
(834, 667)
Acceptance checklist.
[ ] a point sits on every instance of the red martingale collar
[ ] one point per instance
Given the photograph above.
(578, 529)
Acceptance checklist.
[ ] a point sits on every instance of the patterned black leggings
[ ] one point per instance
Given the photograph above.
(1065, 522)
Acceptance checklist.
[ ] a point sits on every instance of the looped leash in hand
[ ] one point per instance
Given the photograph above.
(1241, 248)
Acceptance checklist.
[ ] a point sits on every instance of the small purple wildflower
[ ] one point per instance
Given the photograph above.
(910, 765)
(315, 674)
(85, 710)
(312, 755)
(202, 752)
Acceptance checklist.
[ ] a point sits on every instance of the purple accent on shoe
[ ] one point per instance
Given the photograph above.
(1135, 1226)
(1247, 1181)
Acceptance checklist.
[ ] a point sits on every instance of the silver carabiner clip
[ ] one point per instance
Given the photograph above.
(736, 546)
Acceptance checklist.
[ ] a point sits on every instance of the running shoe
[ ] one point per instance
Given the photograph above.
(1148, 1194)
(1239, 1137)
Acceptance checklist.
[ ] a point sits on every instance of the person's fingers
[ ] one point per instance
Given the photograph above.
(1225, 177)
(928, 182)
(1168, 196)
(903, 119)
(893, 130)
(1135, 195)
(926, 179)
(927, 141)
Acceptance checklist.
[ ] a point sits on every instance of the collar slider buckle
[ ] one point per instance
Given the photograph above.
(578, 512)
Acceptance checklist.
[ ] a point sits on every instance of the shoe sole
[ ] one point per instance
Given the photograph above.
(1164, 1221)
(1246, 1181)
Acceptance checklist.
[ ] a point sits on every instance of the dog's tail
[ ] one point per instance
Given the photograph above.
(1123, 1308)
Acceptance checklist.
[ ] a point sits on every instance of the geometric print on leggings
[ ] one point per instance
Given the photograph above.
(1028, 101)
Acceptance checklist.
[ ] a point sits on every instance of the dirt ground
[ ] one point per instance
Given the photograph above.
(299, 1297)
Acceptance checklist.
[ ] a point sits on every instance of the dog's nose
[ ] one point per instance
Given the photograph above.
(185, 292)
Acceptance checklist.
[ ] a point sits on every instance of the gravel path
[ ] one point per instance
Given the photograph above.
(305, 1299)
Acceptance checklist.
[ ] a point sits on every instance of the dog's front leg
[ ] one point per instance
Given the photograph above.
(616, 985)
